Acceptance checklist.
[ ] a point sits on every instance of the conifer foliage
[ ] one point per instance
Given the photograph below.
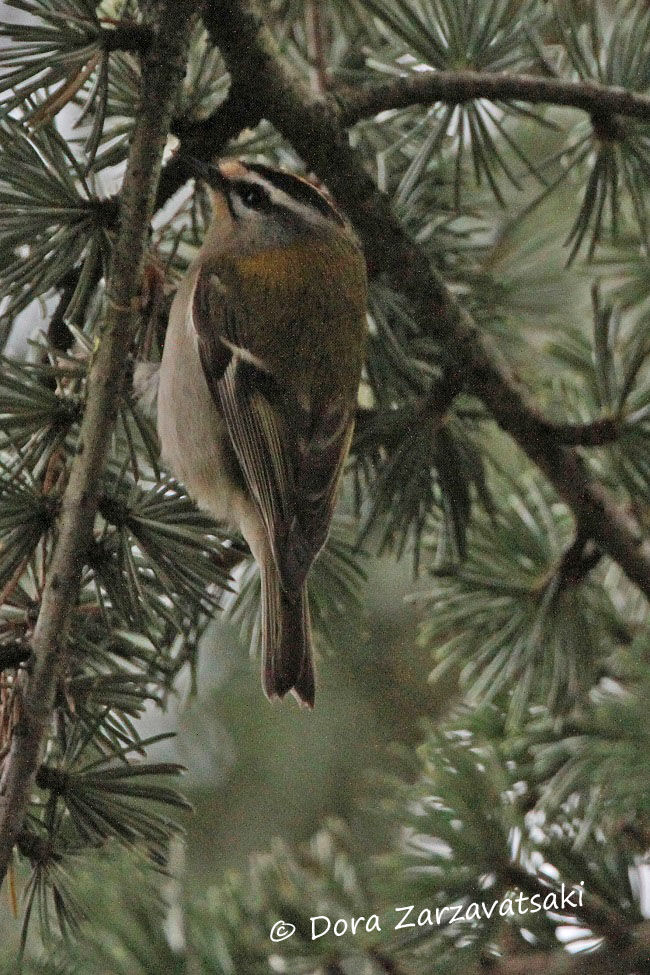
(494, 158)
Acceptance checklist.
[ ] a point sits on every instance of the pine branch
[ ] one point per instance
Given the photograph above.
(609, 525)
(456, 87)
(206, 139)
(578, 561)
(314, 126)
(594, 433)
(605, 961)
(127, 36)
(58, 333)
(598, 917)
(163, 69)
(384, 962)
(316, 46)
(603, 102)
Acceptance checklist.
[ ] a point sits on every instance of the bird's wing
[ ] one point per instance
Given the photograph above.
(291, 459)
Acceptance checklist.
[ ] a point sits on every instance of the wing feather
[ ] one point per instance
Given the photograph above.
(291, 459)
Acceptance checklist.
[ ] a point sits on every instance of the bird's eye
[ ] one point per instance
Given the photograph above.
(251, 195)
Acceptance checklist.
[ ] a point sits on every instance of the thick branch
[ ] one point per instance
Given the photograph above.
(451, 87)
(127, 36)
(578, 561)
(205, 140)
(163, 69)
(455, 87)
(595, 433)
(609, 525)
(314, 127)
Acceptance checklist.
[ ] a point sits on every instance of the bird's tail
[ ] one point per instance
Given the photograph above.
(287, 660)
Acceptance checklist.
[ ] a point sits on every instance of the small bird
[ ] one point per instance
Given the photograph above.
(258, 385)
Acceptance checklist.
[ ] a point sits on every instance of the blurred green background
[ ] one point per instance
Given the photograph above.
(256, 770)
(260, 770)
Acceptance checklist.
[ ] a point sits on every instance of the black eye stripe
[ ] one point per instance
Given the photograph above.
(298, 189)
(252, 194)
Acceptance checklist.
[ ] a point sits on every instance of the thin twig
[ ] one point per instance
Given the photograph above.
(316, 46)
(58, 334)
(64, 94)
(11, 585)
(163, 68)
(456, 87)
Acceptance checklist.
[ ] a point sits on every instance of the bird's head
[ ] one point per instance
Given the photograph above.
(258, 206)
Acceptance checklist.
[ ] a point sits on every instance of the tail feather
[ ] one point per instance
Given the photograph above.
(287, 663)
